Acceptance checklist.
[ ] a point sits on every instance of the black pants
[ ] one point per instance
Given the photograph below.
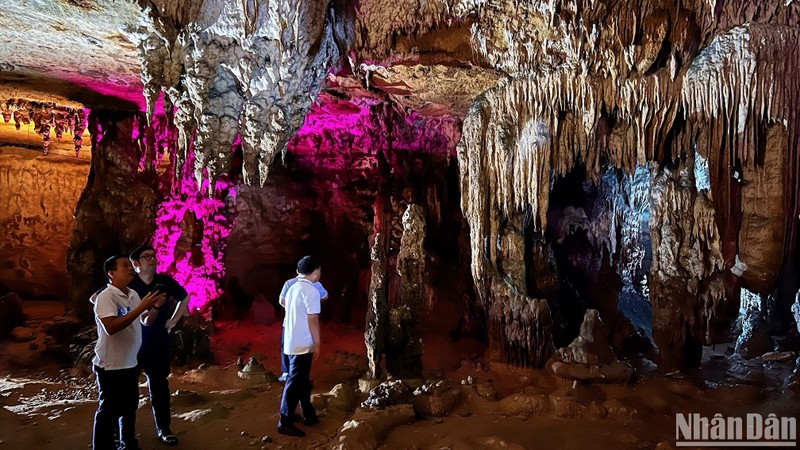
(297, 389)
(118, 399)
(156, 369)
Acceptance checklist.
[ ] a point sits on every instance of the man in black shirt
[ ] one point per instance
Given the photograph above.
(156, 352)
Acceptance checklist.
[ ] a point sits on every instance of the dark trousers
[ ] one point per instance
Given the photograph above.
(297, 389)
(284, 356)
(118, 399)
(156, 369)
(156, 366)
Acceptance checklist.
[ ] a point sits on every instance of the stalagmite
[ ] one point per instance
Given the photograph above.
(404, 352)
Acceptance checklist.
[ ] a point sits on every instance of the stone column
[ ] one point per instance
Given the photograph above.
(116, 211)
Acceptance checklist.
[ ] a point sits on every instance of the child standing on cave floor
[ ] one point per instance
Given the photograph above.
(302, 345)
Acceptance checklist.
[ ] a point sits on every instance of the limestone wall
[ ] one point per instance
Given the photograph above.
(38, 195)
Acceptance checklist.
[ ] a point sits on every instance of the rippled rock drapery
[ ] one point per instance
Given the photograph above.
(117, 209)
(36, 215)
(232, 68)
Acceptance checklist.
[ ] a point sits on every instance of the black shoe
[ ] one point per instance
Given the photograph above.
(290, 430)
(309, 421)
(167, 438)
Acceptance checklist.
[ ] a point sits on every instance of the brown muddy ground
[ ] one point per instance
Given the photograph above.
(44, 407)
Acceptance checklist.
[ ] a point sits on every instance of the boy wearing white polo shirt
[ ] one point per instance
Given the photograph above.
(302, 345)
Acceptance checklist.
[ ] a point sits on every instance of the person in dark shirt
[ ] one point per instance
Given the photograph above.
(156, 351)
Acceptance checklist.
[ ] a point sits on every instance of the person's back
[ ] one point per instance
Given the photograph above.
(302, 345)
(302, 299)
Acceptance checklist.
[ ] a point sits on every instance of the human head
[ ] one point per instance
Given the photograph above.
(119, 270)
(310, 267)
(144, 259)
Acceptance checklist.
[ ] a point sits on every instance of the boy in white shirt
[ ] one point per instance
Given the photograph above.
(119, 336)
(302, 345)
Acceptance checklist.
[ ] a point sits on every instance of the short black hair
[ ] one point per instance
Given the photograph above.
(308, 264)
(111, 264)
(136, 254)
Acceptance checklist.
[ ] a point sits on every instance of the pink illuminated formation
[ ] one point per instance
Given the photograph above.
(366, 125)
(191, 228)
(190, 237)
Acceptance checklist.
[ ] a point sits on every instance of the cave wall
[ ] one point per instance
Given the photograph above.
(37, 200)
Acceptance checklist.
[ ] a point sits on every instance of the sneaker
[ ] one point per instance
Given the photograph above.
(290, 430)
(283, 377)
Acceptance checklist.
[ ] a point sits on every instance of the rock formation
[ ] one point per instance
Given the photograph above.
(117, 209)
(672, 126)
(590, 357)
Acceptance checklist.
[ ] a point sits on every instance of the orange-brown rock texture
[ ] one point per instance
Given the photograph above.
(36, 214)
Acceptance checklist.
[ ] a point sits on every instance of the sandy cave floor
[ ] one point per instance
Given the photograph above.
(45, 407)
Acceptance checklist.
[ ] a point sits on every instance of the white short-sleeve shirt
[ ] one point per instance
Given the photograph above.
(302, 300)
(118, 351)
(289, 283)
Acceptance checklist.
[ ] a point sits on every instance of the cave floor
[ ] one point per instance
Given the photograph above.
(47, 407)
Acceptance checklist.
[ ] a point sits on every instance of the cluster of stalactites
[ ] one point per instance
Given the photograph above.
(46, 117)
(616, 40)
(379, 22)
(523, 128)
(236, 69)
(519, 131)
(601, 100)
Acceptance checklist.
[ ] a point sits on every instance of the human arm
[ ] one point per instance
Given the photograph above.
(150, 316)
(114, 324)
(180, 310)
(284, 291)
(313, 308)
(323, 294)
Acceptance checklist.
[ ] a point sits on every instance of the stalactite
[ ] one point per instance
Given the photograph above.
(584, 84)
(238, 70)
(47, 117)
